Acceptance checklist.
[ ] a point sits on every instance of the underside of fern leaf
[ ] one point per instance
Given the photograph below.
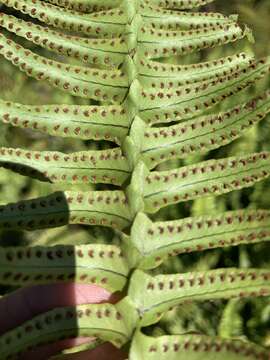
(124, 59)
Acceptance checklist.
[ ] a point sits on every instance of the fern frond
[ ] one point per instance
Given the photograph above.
(155, 241)
(232, 323)
(102, 265)
(106, 52)
(154, 295)
(193, 347)
(160, 106)
(155, 110)
(170, 20)
(83, 122)
(163, 75)
(212, 177)
(105, 208)
(178, 4)
(155, 44)
(78, 81)
(202, 134)
(109, 23)
(104, 166)
(87, 5)
(104, 321)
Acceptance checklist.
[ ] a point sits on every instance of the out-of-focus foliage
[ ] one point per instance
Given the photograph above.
(251, 318)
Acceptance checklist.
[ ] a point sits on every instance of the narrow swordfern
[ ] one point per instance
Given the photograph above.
(150, 109)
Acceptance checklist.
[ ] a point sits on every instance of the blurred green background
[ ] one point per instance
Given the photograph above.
(245, 319)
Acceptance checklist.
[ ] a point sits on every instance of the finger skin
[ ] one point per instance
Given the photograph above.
(103, 352)
(27, 303)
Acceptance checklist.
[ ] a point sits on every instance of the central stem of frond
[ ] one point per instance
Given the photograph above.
(133, 143)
